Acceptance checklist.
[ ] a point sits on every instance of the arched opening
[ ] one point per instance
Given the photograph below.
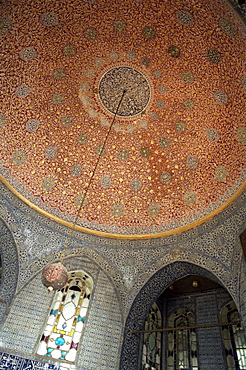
(66, 320)
(184, 312)
(233, 337)
(190, 299)
(181, 343)
(152, 341)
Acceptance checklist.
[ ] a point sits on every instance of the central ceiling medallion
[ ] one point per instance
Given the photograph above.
(118, 79)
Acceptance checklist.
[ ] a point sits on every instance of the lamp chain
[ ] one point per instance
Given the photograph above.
(90, 181)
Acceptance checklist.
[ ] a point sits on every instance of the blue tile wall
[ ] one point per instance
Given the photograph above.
(148, 294)
(136, 272)
(211, 353)
(13, 362)
(206, 309)
(10, 267)
(100, 345)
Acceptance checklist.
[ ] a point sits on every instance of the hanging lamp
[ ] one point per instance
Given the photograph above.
(55, 275)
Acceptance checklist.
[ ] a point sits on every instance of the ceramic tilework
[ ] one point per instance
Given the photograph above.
(129, 263)
(242, 291)
(206, 309)
(209, 342)
(173, 155)
(24, 323)
(161, 280)
(103, 329)
(26, 317)
(138, 261)
(10, 268)
(240, 9)
(12, 362)
(210, 245)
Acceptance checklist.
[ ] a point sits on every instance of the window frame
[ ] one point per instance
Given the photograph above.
(232, 355)
(62, 298)
(190, 346)
(157, 338)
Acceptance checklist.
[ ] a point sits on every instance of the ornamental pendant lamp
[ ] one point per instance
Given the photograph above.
(55, 275)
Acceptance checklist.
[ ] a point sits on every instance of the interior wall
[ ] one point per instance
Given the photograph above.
(130, 355)
(101, 339)
(10, 268)
(206, 307)
(137, 271)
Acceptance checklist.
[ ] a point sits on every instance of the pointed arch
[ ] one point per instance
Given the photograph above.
(182, 347)
(145, 299)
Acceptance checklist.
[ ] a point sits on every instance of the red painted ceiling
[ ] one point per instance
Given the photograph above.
(178, 159)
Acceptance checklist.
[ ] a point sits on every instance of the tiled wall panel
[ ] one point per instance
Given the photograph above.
(22, 328)
(206, 309)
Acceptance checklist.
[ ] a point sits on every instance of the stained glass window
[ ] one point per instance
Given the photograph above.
(151, 358)
(233, 336)
(182, 349)
(65, 323)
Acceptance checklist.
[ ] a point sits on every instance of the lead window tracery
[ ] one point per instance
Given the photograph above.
(151, 358)
(233, 337)
(65, 323)
(182, 347)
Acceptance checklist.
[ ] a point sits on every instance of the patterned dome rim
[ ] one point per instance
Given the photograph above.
(125, 236)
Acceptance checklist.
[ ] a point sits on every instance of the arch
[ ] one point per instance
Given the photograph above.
(84, 252)
(182, 341)
(10, 268)
(152, 342)
(144, 300)
(99, 331)
(228, 278)
(67, 317)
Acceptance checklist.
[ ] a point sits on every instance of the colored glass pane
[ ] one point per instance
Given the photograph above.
(69, 310)
(51, 319)
(85, 302)
(64, 324)
(152, 341)
(60, 341)
(83, 311)
(233, 337)
(71, 333)
(79, 326)
(182, 349)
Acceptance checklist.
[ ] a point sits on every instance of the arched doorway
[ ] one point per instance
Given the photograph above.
(204, 313)
(190, 316)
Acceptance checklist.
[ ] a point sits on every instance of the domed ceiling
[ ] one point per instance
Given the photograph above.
(175, 153)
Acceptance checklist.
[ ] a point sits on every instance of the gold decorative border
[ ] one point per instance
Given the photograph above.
(237, 11)
(144, 236)
(122, 236)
